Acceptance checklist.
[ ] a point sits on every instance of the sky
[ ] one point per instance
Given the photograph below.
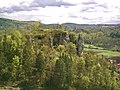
(62, 11)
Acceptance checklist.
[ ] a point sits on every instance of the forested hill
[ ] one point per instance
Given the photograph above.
(73, 26)
(26, 25)
(15, 24)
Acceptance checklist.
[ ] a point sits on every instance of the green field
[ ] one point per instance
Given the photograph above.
(101, 51)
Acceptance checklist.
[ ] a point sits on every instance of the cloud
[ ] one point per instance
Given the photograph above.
(115, 19)
(73, 16)
(2, 15)
(15, 8)
(54, 11)
(44, 3)
(118, 17)
(89, 2)
(102, 5)
(22, 6)
(34, 5)
(96, 7)
(85, 18)
(88, 9)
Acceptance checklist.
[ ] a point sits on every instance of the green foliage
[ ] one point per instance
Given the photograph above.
(72, 37)
(28, 59)
(105, 38)
(39, 69)
(59, 75)
(6, 24)
(59, 37)
(71, 48)
(61, 48)
(47, 60)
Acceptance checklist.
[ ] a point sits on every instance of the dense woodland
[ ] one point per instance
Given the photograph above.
(53, 59)
(102, 35)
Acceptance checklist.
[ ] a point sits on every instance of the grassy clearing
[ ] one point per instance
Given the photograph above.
(101, 51)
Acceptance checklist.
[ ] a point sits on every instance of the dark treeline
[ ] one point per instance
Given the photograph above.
(52, 60)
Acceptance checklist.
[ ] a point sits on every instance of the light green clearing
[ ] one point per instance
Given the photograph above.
(101, 51)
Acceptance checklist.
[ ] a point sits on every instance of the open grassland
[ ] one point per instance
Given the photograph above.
(101, 51)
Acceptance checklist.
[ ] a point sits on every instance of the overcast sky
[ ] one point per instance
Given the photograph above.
(62, 11)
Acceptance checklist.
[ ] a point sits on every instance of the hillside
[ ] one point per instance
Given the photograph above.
(14, 24)
(9, 23)
(73, 26)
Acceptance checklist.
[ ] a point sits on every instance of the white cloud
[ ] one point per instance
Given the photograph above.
(7, 3)
(85, 11)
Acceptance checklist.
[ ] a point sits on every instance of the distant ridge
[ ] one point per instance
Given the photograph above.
(84, 26)
(14, 24)
(23, 25)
